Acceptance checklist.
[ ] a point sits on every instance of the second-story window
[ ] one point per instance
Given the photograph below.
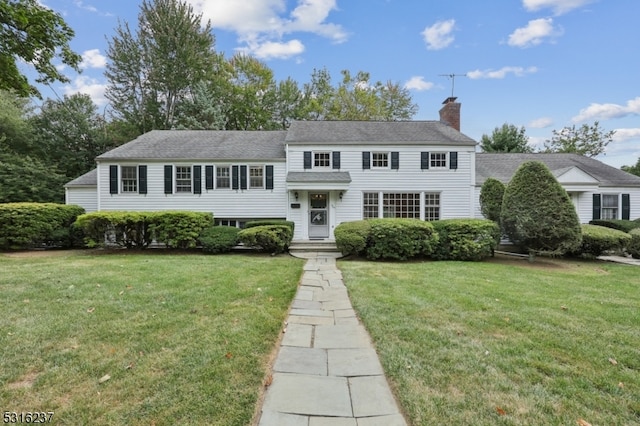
(129, 178)
(380, 159)
(321, 159)
(256, 177)
(223, 177)
(438, 159)
(183, 179)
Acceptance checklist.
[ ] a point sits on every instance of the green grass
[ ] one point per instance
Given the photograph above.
(185, 339)
(504, 342)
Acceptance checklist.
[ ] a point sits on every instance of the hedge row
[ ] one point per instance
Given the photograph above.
(597, 240)
(401, 239)
(174, 229)
(30, 225)
(634, 245)
(619, 224)
(269, 238)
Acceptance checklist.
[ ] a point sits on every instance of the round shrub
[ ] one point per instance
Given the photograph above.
(597, 240)
(400, 239)
(466, 239)
(633, 247)
(537, 213)
(269, 238)
(219, 239)
(263, 222)
(351, 237)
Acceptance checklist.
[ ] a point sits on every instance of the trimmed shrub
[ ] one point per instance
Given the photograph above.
(400, 239)
(179, 229)
(597, 240)
(491, 195)
(219, 239)
(253, 223)
(29, 225)
(633, 247)
(125, 229)
(537, 213)
(620, 225)
(269, 238)
(352, 237)
(465, 239)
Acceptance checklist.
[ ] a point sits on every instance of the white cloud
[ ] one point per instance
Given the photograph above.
(621, 135)
(270, 49)
(93, 59)
(534, 33)
(541, 123)
(438, 36)
(607, 111)
(417, 83)
(261, 24)
(501, 73)
(558, 6)
(90, 86)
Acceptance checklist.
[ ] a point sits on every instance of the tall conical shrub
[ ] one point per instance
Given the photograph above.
(537, 213)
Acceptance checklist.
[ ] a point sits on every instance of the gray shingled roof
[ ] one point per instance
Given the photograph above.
(375, 132)
(305, 177)
(503, 166)
(88, 179)
(202, 145)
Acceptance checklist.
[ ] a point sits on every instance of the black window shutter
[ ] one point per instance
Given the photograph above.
(366, 160)
(197, 179)
(269, 177)
(307, 159)
(235, 177)
(596, 206)
(168, 179)
(208, 178)
(424, 160)
(113, 179)
(395, 160)
(243, 177)
(142, 178)
(453, 160)
(626, 207)
(336, 159)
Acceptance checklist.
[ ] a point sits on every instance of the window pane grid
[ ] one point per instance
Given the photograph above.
(223, 177)
(183, 179)
(401, 205)
(438, 159)
(380, 159)
(431, 206)
(609, 206)
(321, 159)
(129, 179)
(370, 205)
(255, 177)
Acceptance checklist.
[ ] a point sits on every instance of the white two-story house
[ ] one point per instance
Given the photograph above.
(321, 173)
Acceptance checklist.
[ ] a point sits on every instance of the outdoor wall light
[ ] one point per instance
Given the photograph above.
(340, 195)
(295, 194)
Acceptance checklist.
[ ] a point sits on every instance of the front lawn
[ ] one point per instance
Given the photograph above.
(144, 338)
(505, 342)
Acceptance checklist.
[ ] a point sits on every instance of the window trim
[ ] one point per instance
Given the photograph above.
(135, 180)
(386, 160)
(375, 201)
(316, 160)
(250, 177)
(616, 209)
(181, 189)
(434, 162)
(218, 177)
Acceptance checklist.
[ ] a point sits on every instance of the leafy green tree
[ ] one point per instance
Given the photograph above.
(507, 138)
(26, 179)
(588, 140)
(396, 102)
(35, 34)
(202, 110)
(71, 134)
(491, 195)
(537, 213)
(634, 170)
(318, 95)
(152, 71)
(289, 103)
(16, 134)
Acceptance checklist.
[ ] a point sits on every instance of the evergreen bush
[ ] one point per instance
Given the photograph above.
(597, 240)
(619, 224)
(491, 194)
(400, 239)
(128, 229)
(270, 238)
(263, 222)
(352, 237)
(537, 213)
(179, 229)
(219, 239)
(465, 239)
(633, 247)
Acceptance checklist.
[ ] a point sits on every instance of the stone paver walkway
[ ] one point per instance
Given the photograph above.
(327, 372)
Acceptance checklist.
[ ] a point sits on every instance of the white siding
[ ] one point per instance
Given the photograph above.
(83, 196)
(223, 203)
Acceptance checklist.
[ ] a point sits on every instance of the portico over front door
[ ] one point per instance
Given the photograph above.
(318, 215)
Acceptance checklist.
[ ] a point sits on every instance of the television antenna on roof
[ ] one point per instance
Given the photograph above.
(453, 79)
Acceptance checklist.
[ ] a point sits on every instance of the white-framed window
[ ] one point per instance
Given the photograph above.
(380, 159)
(370, 205)
(438, 160)
(223, 177)
(321, 159)
(609, 206)
(431, 206)
(256, 177)
(129, 178)
(405, 205)
(183, 179)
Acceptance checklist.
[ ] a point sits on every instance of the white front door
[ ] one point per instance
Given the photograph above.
(318, 215)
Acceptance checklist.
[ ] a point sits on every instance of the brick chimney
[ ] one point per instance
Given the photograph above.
(450, 113)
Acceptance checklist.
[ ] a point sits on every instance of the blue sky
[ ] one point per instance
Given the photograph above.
(541, 64)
